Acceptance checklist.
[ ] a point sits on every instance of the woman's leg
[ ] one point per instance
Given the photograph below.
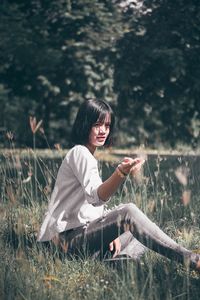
(127, 217)
(131, 247)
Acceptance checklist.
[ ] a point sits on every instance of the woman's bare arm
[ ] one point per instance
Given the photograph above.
(110, 186)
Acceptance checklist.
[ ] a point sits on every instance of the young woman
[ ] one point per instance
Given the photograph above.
(76, 220)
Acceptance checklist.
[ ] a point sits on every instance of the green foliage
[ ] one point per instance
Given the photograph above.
(156, 74)
(142, 57)
(57, 56)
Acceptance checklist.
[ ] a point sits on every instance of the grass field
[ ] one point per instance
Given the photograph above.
(168, 191)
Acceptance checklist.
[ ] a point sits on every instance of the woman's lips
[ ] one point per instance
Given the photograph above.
(101, 138)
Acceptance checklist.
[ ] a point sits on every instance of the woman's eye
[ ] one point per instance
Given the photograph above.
(97, 125)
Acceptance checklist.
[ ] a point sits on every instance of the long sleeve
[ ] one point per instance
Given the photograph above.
(74, 201)
(85, 168)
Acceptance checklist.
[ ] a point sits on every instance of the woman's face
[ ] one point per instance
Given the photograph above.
(99, 133)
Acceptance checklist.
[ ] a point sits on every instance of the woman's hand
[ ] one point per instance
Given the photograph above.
(115, 246)
(110, 185)
(132, 165)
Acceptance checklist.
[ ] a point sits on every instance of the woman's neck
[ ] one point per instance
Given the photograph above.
(91, 148)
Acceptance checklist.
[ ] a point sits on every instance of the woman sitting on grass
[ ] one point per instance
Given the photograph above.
(76, 220)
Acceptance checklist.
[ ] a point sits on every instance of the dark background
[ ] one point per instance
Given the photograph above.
(143, 58)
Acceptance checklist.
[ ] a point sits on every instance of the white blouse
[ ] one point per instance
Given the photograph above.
(74, 201)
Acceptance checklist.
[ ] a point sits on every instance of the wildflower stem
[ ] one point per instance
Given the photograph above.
(35, 164)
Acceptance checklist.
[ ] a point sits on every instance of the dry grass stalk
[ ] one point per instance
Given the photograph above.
(34, 125)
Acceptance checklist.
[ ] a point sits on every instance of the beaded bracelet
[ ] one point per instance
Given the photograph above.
(120, 173)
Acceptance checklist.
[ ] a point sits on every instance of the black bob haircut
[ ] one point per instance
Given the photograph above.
(89, 112)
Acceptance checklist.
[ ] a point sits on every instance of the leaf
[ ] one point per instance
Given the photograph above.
(38, 126)
(32, 121)
(186, 197)
(182, 175)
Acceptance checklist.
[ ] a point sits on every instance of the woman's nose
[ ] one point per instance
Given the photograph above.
(102, 129)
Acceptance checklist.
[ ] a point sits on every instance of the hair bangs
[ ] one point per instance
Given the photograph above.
(102, 116)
